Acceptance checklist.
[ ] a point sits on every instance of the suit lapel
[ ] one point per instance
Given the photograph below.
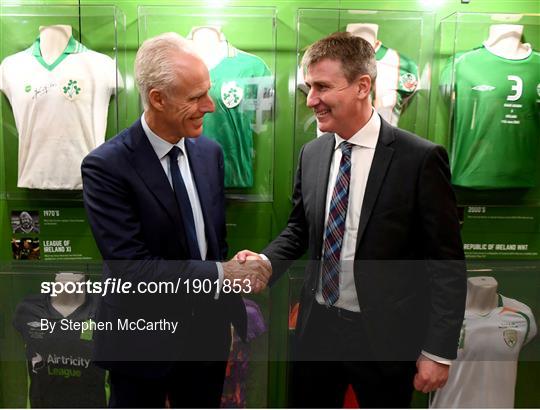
(197, 164)
(321, 184)
(379, 166)
(148, 167)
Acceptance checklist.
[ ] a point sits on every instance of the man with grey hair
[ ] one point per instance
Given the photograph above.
(384, 291)
(154, 195)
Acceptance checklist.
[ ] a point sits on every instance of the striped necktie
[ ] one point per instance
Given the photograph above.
(335, 228)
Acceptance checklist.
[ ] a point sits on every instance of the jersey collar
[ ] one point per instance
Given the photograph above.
(82, 310)
(73, 46)
(231, 50)
(509, 58)
(380, 52)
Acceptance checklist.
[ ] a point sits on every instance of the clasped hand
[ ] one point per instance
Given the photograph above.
(248, 265)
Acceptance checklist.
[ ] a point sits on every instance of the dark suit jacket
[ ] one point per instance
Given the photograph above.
(409, 271)
(138, 228)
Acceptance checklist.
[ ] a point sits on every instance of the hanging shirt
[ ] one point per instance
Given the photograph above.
(485, 371)
(60, 111)
(242, 90)
(59, 363)
(496, 119)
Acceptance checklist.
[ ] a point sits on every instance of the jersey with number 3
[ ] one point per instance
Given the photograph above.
(496, 119)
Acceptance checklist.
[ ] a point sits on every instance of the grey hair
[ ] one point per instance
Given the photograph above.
(153, 66)
(356, 55)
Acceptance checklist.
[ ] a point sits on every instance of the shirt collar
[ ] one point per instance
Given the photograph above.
(380, 51)
(160, 146)
(493, 51)
(367, 136)
(73, 46)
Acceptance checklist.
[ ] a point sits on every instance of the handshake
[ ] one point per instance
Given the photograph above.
(250, 269)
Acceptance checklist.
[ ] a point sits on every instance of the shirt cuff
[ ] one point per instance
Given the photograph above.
(437, 359)
(263, 257)
(220, 279)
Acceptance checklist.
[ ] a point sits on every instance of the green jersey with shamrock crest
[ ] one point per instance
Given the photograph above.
(242, 90)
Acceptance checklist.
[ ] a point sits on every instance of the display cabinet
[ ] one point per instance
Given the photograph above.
(62, 76)
(238, 46)
(498, 342)
(30, 354)
(485, 111)
(486, 108)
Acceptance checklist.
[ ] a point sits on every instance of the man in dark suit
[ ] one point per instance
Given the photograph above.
(384, 292)
(154, 195)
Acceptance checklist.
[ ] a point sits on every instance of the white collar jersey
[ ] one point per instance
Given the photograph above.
(60, 111)
(485, 371)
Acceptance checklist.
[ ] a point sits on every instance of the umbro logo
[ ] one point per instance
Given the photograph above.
(483, 87)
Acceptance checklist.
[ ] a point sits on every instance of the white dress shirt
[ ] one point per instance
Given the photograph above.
(364, 142)
(162, 148)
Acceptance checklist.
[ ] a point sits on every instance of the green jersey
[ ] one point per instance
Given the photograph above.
(242, 90)
(496, 119)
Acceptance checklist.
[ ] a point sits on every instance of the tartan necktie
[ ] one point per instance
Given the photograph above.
(335, 228)
(182, 199)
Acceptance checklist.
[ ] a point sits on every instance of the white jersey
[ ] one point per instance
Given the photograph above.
(60, 111)
(485, 371)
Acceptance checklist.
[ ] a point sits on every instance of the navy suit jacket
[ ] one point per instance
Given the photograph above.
(139, 231)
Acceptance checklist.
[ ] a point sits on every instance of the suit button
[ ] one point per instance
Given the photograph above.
(313, 290)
